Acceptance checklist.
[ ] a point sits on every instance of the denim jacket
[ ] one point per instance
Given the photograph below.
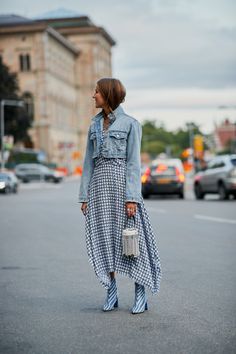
(123, 140)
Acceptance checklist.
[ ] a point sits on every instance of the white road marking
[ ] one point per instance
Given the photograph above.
(215, 219)
(38, 186)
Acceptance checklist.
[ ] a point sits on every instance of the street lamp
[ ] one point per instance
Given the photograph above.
(3, 104)
(190, 127)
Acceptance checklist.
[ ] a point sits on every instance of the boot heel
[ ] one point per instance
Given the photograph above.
(146, 306)
(116, 303)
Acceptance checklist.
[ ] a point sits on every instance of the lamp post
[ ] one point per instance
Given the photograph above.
(190, 127)
(3, 104)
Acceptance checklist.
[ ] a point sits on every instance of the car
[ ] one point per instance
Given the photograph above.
(163, 176)
(8, 182)
(219, 177)
(35, 172)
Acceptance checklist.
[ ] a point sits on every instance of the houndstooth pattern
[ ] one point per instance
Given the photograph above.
(105, 219)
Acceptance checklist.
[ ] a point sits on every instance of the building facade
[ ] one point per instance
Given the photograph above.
(225, 136)
(58, 61)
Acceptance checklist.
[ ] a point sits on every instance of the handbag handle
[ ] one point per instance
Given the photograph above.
(127, 219)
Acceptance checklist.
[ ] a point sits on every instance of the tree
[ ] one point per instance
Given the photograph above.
(156, 139)
(17, 120)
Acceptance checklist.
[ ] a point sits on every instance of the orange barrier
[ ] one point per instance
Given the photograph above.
(62, 169)
(78, 170)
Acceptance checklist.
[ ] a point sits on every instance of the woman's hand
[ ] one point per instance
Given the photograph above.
(131, 208)
(84, 207)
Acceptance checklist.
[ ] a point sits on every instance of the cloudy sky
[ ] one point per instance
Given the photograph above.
(177, 58)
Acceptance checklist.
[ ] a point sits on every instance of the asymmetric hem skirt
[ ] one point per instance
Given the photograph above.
(105, 220)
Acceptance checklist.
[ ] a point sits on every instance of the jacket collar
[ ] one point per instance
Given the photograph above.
(113, 115)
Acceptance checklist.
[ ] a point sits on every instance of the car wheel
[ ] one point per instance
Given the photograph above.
(146, 196)
(181, 196)
(223, 194)
(198, 191)
(7, 190)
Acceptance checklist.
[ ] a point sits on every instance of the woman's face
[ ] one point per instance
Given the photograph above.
(99, 100)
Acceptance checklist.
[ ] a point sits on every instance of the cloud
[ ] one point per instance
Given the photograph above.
(141, 99)
(162, 43)
(176, 51)
(170, 54)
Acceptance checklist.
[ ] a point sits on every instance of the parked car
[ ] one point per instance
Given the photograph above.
(8, 182)
(163, 177)
(218, 177)
(35, 172)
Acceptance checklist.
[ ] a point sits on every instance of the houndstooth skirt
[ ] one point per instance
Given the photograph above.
(105, 220)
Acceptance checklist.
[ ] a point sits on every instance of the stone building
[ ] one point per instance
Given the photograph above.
(225, 136)
(58, 61)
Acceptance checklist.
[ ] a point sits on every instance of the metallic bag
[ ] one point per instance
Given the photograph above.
(130, 240)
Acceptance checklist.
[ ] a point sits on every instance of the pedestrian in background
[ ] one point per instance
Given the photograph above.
(110, 193)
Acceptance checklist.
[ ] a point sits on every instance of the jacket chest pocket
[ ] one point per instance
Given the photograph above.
(118, 140)
(93, 138)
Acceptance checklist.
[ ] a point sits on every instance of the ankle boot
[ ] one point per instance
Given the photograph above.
(112, 297)
(140, 303)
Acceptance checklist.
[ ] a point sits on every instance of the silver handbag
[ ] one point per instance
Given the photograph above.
(130, 240)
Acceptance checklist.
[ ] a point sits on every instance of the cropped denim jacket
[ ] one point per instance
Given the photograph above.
(123, 140)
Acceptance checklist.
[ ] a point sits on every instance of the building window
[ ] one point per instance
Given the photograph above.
(29, 103)
(24, 62)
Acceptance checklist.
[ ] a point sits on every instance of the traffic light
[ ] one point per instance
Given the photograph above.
(198, 146)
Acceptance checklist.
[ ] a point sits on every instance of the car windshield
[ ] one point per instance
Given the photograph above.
(163, 170)
(38, 167)
(233, 161)
(44, 169)
(3, 177)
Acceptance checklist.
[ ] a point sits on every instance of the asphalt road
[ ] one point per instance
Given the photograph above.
(50, 299)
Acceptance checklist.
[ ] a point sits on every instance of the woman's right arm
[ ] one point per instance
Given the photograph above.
(88, 167)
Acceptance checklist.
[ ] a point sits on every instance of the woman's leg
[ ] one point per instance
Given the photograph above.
(112, 275)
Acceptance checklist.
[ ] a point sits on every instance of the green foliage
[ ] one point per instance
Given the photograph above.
(8, 83)
(156, 139)
(17, 120)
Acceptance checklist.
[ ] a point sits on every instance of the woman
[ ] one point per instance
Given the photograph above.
(110, 193)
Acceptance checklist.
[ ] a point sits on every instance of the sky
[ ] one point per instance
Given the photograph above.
(176, 58)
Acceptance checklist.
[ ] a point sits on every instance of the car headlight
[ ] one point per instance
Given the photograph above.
(2, 185)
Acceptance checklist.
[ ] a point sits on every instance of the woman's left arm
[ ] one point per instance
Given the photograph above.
(133, 177)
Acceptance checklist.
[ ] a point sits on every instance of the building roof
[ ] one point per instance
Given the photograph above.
(16, 24)
(12, 19)
(12, 23)
(56, 35)
(58, 13)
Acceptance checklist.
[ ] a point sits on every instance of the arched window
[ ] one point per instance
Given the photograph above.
(29, 103)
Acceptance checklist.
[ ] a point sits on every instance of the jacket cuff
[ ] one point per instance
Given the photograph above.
(83, 200)
(132, 200)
